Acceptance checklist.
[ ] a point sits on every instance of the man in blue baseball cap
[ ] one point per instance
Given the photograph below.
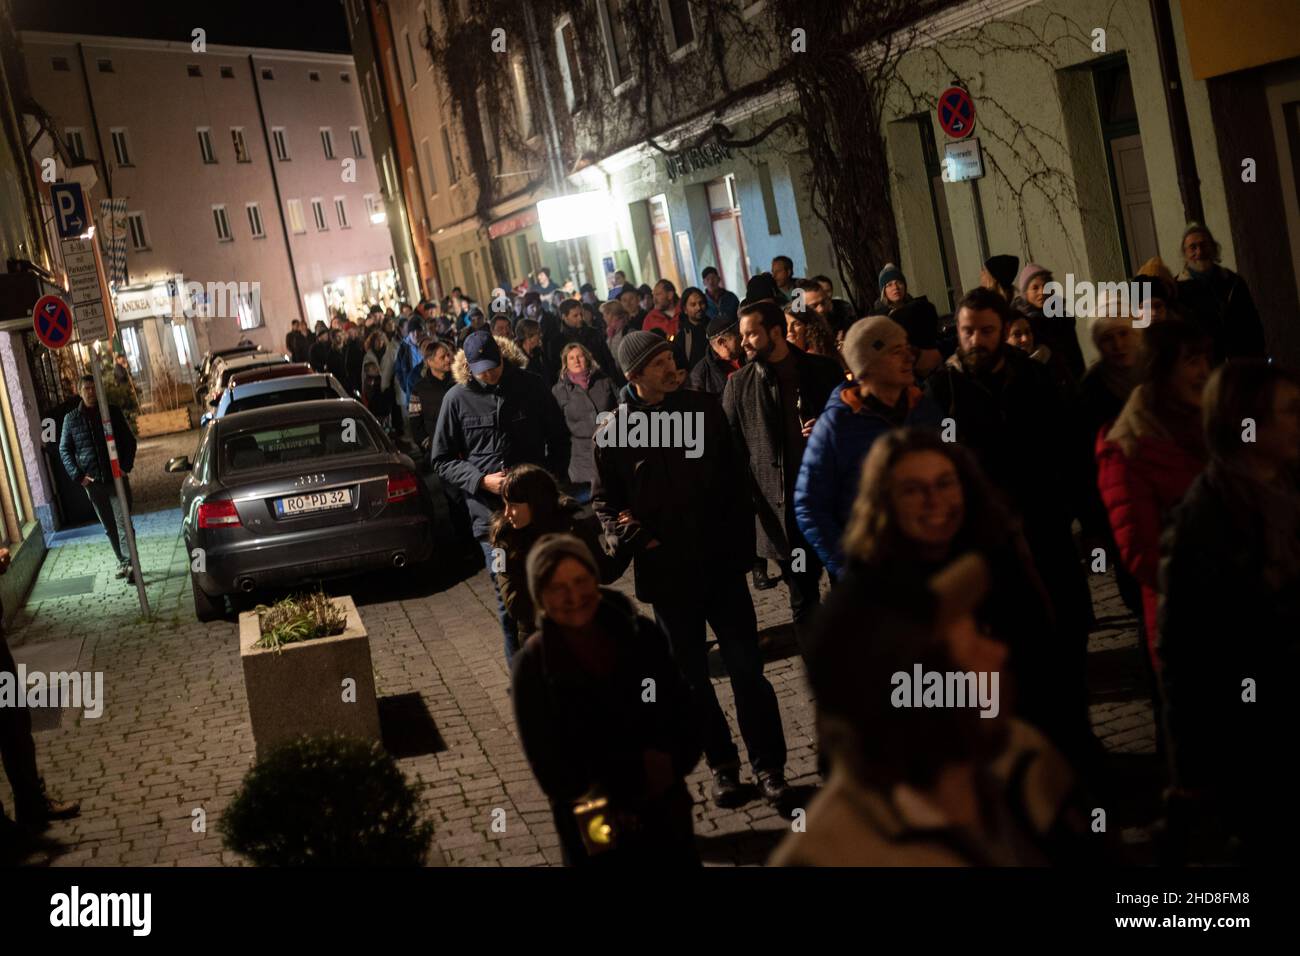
(498, 415)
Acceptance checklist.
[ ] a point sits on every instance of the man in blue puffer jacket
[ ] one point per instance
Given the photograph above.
(881, 397)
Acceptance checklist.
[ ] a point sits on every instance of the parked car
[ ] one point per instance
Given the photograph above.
(204, 368)
(241, 396)
(225, 368)
(291, 494)
(270, 371)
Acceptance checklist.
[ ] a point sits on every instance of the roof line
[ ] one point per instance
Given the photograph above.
(181, 46)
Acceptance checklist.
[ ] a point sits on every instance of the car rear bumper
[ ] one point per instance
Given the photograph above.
(328, 552)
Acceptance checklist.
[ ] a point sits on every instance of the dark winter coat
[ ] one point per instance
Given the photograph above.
(690, 505)
(580, 407)
(1023, 435)
(353, 355)
(83, 449)
(726, 304)
(711, 374)
(297, 345)
(1227, 615)
(424, 404)
(752, 402)
(484, 429)
(1061, 338)
(512, 582)
(1222, 303)
(588, 735)
(831, 470)
(691, 344)
(323, 358)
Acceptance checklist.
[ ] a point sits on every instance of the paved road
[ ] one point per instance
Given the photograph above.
(174, 736)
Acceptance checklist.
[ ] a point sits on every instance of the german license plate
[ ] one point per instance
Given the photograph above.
(314, 501)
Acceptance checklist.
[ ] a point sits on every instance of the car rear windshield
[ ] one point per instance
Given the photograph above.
(282, 397)
(229, 371)
(274, 445)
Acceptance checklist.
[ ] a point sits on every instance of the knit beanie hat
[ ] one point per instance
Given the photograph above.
(889, 274)
(867, 340)
(920, 319)
(1003, 268)
(546, 555)
(1030, 270)
(638, 348)
(760, 287)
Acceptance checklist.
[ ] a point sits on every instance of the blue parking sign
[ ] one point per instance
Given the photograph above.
(69, 209)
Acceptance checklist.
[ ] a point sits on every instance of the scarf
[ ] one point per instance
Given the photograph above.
(581, 379)
(1146, 417)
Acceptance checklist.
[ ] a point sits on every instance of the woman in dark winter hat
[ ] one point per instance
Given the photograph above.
(922, 502)
(1154, 451)
(1230, 621)
(893, 290)
(1056, 335)
(999, 274)
(612, 761)
(583, 392)
(533, 506)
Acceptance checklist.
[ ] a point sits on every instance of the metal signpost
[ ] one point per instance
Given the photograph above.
(955, 110)
(81, 257)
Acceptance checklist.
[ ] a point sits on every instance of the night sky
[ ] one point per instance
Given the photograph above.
(304, 25)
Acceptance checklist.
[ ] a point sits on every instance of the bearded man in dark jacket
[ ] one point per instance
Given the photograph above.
(771, 405)
(674, 502)
(724, 359)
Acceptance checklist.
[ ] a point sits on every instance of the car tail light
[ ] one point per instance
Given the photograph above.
(403, 486)
(218, 514)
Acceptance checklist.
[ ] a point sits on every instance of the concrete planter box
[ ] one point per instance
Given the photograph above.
(299, 689)
(162, 423)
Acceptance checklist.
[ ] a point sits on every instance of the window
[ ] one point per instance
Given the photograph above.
(374, 209)
(268, 74)
(255, 220)
(105, 65)
(136, 230)
(488, 127)
(611, 25)
(241, 148)
(60, 64)
(387, 184)
(193, 70)
(769, 200)
(677, 17)
(313, 76)
(281, 145)
(327, 141)
(447, 154)
(566, 43)
(76, 145)
(227, 72)
(357, 149)
(345, 77)
(205, 145)
(250, 308)
(410, 57)
(222, 223)
(368, 106)
(341, 210)
(121, 147)
(318, 212)
(296, 222)
(430, 176)
(519, 71)
(395, 76)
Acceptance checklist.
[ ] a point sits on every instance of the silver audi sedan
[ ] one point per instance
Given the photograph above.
(291, 494)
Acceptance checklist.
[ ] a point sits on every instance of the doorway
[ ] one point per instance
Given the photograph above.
(661, 231)
(728, 234)
(1126, 162)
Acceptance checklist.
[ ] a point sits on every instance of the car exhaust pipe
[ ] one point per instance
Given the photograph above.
(399, 560)
(246, 585)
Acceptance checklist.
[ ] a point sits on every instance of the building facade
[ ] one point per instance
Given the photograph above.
(243, 196)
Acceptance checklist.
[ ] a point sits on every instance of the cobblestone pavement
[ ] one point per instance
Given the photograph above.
(174, 735)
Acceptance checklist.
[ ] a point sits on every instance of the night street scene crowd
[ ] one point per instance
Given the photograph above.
(934, 492)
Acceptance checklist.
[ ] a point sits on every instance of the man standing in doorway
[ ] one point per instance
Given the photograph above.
(85, 457)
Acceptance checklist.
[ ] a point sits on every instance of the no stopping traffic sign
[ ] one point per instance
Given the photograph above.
(956, 111)
(52, 319)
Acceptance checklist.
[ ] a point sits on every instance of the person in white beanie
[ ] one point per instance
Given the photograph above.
(881, 396)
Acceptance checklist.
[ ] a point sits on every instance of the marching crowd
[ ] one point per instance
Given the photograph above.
(955, 479)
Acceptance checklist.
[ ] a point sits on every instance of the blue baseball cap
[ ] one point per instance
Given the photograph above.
(481, 352)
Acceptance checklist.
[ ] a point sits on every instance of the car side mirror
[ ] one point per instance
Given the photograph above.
(177, 465)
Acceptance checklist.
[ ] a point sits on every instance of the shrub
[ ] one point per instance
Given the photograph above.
(327, 801)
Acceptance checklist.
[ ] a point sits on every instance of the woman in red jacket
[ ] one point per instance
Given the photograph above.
(1153, 452)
